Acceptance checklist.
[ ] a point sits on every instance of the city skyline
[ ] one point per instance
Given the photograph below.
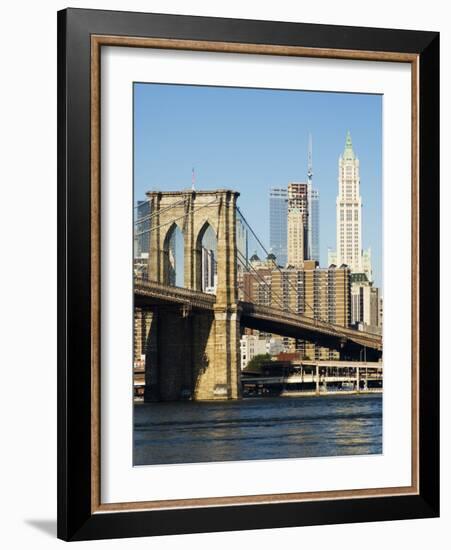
(234, 139)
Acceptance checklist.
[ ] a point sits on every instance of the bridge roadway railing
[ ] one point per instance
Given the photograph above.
(202, 300)
(337, 331)
(174, 294)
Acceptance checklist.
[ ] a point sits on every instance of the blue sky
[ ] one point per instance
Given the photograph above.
(252, 139)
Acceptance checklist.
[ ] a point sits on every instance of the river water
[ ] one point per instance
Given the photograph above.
(257, 428)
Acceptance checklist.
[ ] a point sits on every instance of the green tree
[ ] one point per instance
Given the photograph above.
(257, 363)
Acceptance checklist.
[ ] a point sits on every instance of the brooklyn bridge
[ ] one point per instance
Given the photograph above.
(192, 345)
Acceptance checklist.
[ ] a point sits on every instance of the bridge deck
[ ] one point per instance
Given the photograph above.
(264, 318)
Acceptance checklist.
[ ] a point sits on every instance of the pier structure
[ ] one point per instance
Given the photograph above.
(318, 378)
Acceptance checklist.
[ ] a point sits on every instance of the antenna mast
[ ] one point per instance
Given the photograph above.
(309, 198)
(310, 160)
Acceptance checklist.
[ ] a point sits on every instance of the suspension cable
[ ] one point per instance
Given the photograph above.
(272, 294)
(267, 254)
(258, 275)
(275, 264)
(149, 216)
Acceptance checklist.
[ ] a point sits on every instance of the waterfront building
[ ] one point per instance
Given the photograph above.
(142, 320)
(257, 343)
(364, 304)
(349, 210)
(319, 293)
(250, 346)
(255, 285)
(278, 213)
(371, 309)
(141, 327)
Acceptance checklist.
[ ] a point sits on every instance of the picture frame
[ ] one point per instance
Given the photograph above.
(81, 36)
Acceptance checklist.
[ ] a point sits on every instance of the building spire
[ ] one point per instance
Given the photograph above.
(349, 151)
(348, 139)
(310, 159)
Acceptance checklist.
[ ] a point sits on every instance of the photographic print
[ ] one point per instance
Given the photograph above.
(258, 292)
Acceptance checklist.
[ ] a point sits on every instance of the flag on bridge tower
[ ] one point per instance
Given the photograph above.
(193, 180)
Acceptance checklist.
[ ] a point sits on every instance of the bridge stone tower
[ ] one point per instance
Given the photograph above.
(191, 353)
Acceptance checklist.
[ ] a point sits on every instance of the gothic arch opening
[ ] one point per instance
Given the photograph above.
(174, 257)
(206, 259)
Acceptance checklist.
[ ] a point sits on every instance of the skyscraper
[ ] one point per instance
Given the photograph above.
(364, 303)
(313, 209)
(298, 202)
(141, 239)
(314, 225)
(302, 198)
(367, 266)
(209, 271)
(349, 210)
(296, 238)
(278, 213)
(142, 228)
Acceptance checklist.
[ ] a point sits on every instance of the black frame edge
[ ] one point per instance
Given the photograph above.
(74, 272)
(251, 517)
(429, 279)
(61, 279)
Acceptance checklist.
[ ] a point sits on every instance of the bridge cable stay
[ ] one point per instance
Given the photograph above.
(283, 308)
(331, 327)
(246, 295)
(281, 305)
(257, 274)
(281, 272)
(244, 265)
(274, 263)
(276, 302)
(149, 216)
(272, 293)
(279, 300)
(169, 206)
(159, 211)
